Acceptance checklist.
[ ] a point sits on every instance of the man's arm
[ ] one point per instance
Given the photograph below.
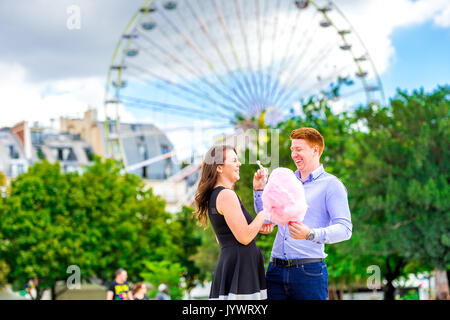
(257, 199)
(109, 295)
(259, 183)
(340, 228)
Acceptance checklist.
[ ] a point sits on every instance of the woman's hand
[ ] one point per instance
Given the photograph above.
(266, 228)
(260, 178)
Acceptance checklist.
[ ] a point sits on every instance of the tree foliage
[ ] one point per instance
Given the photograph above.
(403, 186)
(99, 221)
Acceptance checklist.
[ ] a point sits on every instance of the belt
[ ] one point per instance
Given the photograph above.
(295, 262)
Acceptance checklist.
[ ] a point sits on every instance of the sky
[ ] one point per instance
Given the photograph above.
(48, 70)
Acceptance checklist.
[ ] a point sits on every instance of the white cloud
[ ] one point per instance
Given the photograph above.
(376, 20)
(22, 99)
(41, 102)
(443, 18)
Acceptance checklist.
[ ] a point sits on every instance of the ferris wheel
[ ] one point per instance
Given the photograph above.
(220, 61)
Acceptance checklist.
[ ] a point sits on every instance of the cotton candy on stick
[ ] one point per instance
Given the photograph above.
(284, 198)
(263, 169)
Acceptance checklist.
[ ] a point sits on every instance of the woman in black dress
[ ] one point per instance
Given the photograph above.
(239, 273)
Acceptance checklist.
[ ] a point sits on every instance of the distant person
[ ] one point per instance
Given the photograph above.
(163, 293)
(119, 289)
(139, 291)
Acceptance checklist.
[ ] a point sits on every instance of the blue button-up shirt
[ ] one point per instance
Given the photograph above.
(328, 215)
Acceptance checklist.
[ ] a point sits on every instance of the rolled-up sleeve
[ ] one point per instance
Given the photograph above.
(340, 228)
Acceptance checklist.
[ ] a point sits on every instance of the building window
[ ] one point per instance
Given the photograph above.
(164, 148)
(37, 137)
(64, 154)
(142, 148)
(71, 156)
(144, 172)
(13, 154)
(16, 169)
(89, 154)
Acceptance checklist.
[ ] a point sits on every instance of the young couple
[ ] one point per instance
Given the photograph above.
(297, 269)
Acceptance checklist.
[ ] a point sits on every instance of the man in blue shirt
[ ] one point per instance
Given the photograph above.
(297, 268)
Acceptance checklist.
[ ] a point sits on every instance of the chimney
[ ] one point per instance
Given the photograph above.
(22, 131)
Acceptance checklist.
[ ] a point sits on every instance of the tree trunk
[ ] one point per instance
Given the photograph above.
(332, 293)
(391, 275)
(38, 293)
(350, 293)
(341, 292)
(389, 291)
(53, 292)
(441, 283)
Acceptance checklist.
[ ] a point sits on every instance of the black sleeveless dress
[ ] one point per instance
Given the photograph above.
(239, 274)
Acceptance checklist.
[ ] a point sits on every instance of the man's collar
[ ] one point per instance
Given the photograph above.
(313, 175)
(316, 173)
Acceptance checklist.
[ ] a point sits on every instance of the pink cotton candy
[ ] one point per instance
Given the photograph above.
(284, 198)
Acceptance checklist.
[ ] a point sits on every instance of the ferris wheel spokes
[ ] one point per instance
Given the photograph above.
(306, 72)
(215, 59)
(292, 64)
(237, 83)
(286, 52)
(196, 91)
(238, 107)
(242, 100)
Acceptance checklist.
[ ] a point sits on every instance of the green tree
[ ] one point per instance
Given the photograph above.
(2, 179)
(403, 189)
(123, 222)
(4, 268)
(157, 272)
(98, 221)
(186, 234)
(40, 241)
(208, 253)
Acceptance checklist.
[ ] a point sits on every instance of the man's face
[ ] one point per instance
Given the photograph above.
(302, 154)
(122, 277)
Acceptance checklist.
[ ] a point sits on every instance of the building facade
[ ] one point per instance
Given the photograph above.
(140, 143)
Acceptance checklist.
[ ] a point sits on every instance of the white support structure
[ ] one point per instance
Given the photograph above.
(149, 161)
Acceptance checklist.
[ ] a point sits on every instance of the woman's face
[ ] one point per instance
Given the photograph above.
(230, 169)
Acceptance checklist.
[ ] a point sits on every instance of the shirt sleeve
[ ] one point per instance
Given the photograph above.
(257, 199)
(340, 227)
(111, 287)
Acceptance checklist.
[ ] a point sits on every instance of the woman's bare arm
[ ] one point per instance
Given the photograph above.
(228, 205)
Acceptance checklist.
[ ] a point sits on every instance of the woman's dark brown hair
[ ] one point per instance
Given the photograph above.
(208, 178)
(137, 287)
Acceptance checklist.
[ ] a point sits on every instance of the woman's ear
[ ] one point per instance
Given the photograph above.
(219, 169)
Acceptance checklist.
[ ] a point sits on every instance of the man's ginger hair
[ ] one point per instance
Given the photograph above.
(312, 137)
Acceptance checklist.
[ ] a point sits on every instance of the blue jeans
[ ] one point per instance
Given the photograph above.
(303, 282)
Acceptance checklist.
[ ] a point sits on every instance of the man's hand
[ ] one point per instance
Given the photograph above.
(259, 178)
(298, 230)
(266, 228)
